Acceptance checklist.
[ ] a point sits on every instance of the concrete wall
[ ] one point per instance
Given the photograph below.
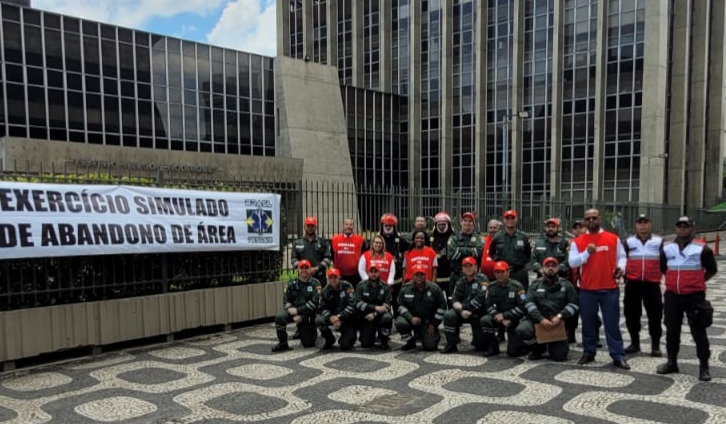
(29, 332)
(312, 126)
(30, 154)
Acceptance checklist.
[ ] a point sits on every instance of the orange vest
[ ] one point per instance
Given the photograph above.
(643, 259)
(423, 257)
(598, 273)
(347, 251)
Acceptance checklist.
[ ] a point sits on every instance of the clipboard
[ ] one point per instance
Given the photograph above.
(556, 334)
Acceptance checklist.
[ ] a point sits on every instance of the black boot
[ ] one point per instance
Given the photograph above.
(537, 351)
(450, 348)
(669, 367)
(634, 347)
(329, 340)
(282, 345)
(384, 344)
(296, 336)
(703, 372)
(655, 349)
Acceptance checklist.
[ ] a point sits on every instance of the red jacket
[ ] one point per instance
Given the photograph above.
(685, 272)
(425, 257)
(597, 270)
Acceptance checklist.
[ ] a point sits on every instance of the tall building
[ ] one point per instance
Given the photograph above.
(612, 100)
(68, 79)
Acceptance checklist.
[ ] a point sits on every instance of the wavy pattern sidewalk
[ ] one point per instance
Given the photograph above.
(233, 377)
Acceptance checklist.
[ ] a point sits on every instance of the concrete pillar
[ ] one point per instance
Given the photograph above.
(357, 44)
(680, 74)
(283, 27)
(414, 102)
(716, 111)
(308, 28)
(480, 90)
(695, 169)
(384, 78)
(556, 120)
(653, 116)
(598, 163)
(332, 33)
(515, 141)
(446, 119)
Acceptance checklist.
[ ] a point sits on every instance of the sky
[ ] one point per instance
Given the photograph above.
(247, 25)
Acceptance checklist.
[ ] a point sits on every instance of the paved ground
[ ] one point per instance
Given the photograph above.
(233, 377)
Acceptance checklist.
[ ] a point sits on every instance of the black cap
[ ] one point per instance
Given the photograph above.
(685, 220)
(576, 224)
(642, 217)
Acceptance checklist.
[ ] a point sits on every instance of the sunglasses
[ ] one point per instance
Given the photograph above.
(591, 218)
(304, 267)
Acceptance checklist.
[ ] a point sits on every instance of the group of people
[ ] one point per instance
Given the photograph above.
(455, 277)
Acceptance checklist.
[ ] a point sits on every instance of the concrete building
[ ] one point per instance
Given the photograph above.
(613, 100)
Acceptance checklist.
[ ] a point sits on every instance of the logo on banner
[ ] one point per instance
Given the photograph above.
(259, 221)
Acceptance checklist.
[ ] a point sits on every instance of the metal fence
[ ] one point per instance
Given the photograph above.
(26, 283)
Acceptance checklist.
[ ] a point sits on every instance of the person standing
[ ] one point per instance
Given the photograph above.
(601, 259)
(397, 246)
(550, 300)
(300, 306)
(337, 308)
(419, 224)
(382, 260)
(642, 285)
(512, 246)
(551, 244)
(466, 243)
(421, 308)
(374, 309)
(505, 307)
(422, 255)
(313, 248)
(347, 249)
(439, 242)
(469, 298)
(688, 264)
(487, 263)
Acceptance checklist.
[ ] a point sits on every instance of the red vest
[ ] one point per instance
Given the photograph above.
(643, 259)
(347, 251)
(383, 264)
(685, 273)
(423, 257)
(598, 273)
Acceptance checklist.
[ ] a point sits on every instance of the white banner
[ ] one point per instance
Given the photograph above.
(42, 220)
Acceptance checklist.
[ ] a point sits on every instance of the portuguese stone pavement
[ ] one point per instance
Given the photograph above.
(233, 377)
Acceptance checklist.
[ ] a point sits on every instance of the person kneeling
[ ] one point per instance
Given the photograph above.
(299, 305)
(505, 307)
(421, 307)
(550, 300)
(337, 308)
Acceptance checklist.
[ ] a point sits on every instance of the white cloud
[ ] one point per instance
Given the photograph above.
(129, 13)
(247, 25)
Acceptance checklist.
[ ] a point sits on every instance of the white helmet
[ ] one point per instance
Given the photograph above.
(442, 217)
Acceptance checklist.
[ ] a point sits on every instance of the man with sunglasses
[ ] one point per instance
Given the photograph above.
(299, 305)
(601, 258)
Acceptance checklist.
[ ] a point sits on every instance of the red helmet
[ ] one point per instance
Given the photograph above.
(389, 219)
(442, 217)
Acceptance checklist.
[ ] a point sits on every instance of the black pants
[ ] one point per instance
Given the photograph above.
(308, 335)
(647, 294)
(675, 306)
(381, 324)
(521, 275)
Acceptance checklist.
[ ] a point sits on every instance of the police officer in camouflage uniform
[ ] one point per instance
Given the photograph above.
(421, 308)
(505, 306)
(466, 243)
(469, 298)
(374, 309)
(512, 246)
(314, 248)
(550, 300)
(337, 308)
(551, 244)
(299, 305)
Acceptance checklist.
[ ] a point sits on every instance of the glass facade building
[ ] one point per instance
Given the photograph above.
(69, 79)
(549, 97)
